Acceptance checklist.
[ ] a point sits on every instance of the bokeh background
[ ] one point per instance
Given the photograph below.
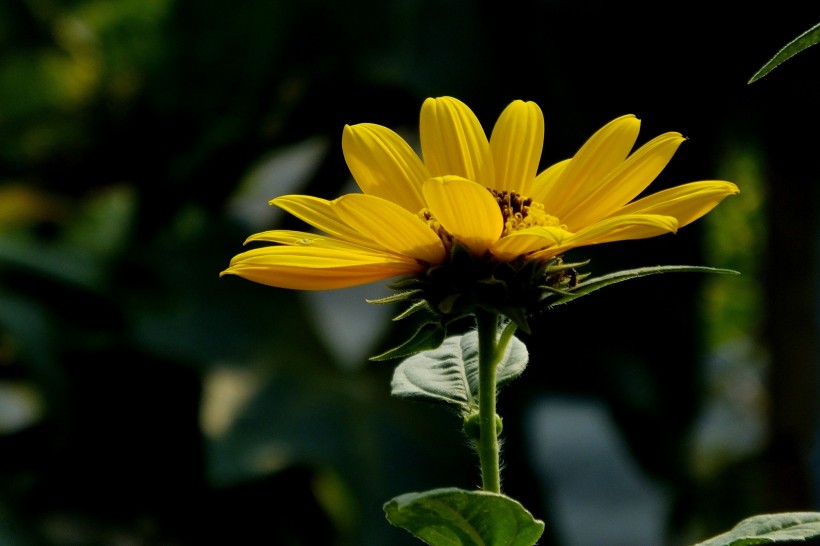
(145, 401)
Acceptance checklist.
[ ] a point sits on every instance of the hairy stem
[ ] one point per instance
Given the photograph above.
(487, 446)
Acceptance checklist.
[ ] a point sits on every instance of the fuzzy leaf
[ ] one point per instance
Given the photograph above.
(456, 517)
(596, 283)
(769, 528)
(512, 364)
(449, 373)
(805, 40)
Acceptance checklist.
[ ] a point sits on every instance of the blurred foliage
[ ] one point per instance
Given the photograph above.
(736, 239)
(144, 401)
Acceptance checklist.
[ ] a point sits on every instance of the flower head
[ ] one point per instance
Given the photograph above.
(475, 212)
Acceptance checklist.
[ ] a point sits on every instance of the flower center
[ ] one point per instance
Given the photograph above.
(517, 212)
(521, 212)
(431, 221)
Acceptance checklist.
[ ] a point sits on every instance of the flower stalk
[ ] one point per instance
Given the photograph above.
(491, 348)
(487, 447)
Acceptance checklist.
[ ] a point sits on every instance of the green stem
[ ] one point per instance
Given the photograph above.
(487, 446)
(503, 341)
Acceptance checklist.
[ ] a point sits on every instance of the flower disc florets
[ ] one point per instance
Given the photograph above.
(520, 212)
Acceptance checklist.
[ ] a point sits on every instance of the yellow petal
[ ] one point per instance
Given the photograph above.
(453, 142)
(625, 227)
(516, 144)
(393, 227)
(383, 164)
(625, 182)
(686, 202)
(302, 268)
(603, 152)
(528, 240)
(320, 214)
(312, 240)
(543, 182)
(466, 210)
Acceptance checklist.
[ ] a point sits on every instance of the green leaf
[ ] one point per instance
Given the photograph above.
(805, 40)
(591, 285)
(449, 373)
(456, 517)
(768, 528)
(428, 336)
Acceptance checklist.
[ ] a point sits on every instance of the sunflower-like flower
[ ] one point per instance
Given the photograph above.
(475, 212)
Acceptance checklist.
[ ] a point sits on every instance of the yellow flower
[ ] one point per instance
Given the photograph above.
(481, 195)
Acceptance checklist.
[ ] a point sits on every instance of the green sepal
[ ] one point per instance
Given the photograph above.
(460, 256)
(557, 266)
(421, 305)
(596, 283)
(428, 336)
(449, 373)
(404, 283)
(457, 517)
(518, 315)
(553, 290)
(769, 528)
(804, 41)
(401, 296)
(448, 303)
